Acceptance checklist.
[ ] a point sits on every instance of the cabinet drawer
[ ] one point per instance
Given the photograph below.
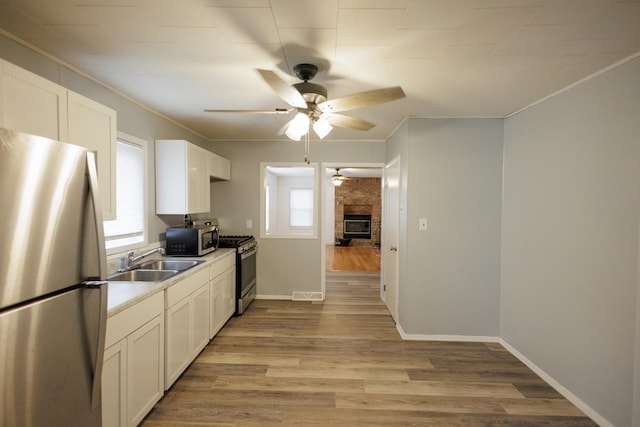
(222, 265)
(127, 321)
(185, 287)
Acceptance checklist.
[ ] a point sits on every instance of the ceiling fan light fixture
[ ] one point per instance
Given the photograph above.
(322, 127)
(298, 127)
(337, 178)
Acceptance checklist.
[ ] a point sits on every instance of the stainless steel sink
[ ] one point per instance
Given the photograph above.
(143, 275)
(179, 265)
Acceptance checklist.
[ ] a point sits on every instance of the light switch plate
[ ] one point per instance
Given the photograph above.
(249, 223)
(422, 226)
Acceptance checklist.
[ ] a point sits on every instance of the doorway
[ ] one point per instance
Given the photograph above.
(352, 218)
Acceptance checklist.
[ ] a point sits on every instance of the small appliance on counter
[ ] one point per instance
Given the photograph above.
(196, 238)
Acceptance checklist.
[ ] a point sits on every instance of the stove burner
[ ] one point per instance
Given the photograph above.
(233, 241)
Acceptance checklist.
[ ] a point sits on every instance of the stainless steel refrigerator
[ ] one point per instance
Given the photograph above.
(53, 299)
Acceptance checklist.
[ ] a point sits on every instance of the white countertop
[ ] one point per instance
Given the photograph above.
(122, 295)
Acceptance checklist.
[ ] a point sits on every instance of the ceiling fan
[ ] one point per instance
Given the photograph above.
(337, 178)
(312, 106)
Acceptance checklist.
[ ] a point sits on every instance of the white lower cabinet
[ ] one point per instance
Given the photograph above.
(114, 385)
(133, 372)
(187, 319)
(222, 282)
(150, 344)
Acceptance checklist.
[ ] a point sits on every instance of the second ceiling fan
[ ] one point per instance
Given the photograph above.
(313, 108)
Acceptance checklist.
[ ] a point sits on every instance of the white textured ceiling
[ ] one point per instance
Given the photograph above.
(453, 58)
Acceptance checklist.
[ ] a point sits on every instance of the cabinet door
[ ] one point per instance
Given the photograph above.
(114, 385)
(32, 104)
(93, 126)
(217, 304)
(197, 180)
(201, 313)
(145, 369)
(178, 340)
(230, 293)
(218, 166)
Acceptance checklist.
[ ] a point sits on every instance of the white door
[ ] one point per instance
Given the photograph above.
(390, 235)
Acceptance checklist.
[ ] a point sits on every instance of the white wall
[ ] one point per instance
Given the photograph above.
(451, 279)
(571, 215)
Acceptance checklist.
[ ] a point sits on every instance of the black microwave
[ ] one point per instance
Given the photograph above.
(194, 240)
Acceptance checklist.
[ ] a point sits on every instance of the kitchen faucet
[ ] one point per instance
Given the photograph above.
(131, 259)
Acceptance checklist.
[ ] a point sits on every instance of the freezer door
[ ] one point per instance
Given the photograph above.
(48, 354)
(47, 220)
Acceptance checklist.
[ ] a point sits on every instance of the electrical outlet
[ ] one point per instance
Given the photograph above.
(249, 223)
(422, 225)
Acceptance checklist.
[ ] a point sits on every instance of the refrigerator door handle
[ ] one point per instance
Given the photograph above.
(96, 395)
(97, 215)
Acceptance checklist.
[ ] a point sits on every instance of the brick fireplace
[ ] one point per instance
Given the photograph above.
(359, 200)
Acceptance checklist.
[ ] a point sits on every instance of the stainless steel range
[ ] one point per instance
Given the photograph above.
(246, 251)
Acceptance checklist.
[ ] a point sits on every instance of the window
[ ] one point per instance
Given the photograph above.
(288, 200)
(128, 230)
(301, 207)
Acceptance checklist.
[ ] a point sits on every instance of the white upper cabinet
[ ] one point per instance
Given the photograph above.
(182, 178)
(218, 167)
(32, 104)
(92, 125)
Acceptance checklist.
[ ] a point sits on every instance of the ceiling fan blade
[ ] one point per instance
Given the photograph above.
(348, 122)
(274, 111)
(283, 90)
(362, 99)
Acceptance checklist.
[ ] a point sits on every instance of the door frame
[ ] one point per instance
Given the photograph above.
(323, 206)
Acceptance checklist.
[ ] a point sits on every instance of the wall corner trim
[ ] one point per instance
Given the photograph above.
(590, 412)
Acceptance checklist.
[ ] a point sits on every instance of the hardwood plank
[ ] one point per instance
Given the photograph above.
(329, 385)
(442, 388)
(339, 372)
(558, 407)
(456, 405)
(342, 362)
(352, 258)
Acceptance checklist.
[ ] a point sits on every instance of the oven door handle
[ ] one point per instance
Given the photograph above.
(246, 255)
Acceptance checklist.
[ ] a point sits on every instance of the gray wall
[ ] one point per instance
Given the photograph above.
(133, 119)
(450, 274)
(284, 265)
(570, 256)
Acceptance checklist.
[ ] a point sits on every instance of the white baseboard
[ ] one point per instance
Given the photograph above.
(461, 338)
(304, 296)
(559, 387)
(274, 297)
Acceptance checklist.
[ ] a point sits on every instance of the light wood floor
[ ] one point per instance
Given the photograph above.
(342, 363)
(353, 258)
